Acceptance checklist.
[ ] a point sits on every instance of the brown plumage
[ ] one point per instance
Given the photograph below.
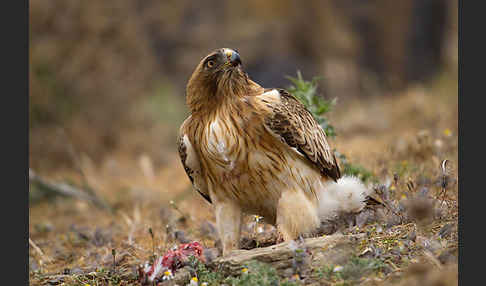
(296, 126)
(247, 149)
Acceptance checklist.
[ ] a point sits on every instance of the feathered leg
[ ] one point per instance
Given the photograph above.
(296, 215)
(228, 220)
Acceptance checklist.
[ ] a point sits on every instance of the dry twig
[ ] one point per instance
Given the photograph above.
(39, 251)
(66, 190)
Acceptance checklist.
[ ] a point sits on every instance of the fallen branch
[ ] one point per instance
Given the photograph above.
(66, 190)
(331, 249)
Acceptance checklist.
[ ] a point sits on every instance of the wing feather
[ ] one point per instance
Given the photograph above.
(191, 164)
(293, 124)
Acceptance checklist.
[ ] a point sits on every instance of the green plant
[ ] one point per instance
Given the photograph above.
(254, 273)
(203, 273)
(306, 92)
(257, 274)
(352, 271)
(354, 169)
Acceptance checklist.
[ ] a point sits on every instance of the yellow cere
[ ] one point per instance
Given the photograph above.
(244, 270)
(447, 132)
(228, 53)
(194, 279)
(167, 273)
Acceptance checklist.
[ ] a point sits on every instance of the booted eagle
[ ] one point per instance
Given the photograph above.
(249, 149)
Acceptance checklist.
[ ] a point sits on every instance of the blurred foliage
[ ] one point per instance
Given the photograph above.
(41, 112)
(94, 66)
(165, 105)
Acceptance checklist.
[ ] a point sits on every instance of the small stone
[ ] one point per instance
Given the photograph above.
(76, 270)
(56, 281)
(412, 235)
(424, 191)
(181, 237)
(438, 143)
(337, 268)
(447, 257)
(362, 218)
(33, 266)
(446, 230)
(210, 254)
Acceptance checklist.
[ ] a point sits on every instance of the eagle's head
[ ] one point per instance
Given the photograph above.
(217, 77)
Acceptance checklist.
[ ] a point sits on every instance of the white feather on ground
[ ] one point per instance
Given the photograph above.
(347, 195)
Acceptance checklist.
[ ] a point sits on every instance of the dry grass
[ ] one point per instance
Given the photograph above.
(407, 134)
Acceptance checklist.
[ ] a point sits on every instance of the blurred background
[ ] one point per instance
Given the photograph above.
(107, 97)
(110, 76)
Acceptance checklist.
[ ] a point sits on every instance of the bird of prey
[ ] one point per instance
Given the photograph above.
(249, 149)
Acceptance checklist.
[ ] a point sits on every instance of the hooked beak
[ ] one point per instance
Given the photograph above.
(233, 57)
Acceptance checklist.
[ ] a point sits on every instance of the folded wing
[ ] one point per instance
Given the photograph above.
(191, 164)
(293, 124)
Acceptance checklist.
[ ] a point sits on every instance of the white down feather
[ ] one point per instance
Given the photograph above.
(347, 195)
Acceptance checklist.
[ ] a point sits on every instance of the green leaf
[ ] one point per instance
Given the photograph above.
(306, 92)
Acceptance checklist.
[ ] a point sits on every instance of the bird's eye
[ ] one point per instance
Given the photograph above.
(210, 64)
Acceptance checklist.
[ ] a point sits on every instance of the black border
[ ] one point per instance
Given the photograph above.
(460, 170)
(15, 135)
(471, 194)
